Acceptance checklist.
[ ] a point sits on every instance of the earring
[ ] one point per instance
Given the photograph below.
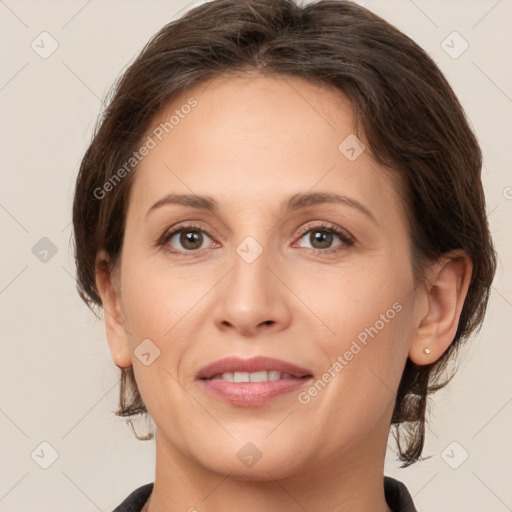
(426, 351)
(118, 356)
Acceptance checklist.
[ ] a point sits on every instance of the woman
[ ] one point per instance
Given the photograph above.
(282, 216)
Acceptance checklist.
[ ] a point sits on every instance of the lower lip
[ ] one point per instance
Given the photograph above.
(251, 394)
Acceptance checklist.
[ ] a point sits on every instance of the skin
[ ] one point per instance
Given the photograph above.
(251, 143)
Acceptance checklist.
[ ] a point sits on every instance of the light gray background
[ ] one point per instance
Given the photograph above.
(59, 384)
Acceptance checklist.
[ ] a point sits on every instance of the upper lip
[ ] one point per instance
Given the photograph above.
(253, 364)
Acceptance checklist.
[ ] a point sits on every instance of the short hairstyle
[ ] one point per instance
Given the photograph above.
(404, 109)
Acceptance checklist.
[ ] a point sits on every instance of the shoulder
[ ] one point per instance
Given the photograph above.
(397, 496)
(135, 501)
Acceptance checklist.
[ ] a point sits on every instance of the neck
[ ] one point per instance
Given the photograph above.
(348, 483)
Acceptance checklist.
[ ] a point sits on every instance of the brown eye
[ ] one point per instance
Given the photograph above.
(322, 237)
(185, 239)
(191, 239)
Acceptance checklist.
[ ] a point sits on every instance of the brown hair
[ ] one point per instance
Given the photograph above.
(407, 113)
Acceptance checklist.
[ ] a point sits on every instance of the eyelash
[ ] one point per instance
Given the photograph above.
(343, 235)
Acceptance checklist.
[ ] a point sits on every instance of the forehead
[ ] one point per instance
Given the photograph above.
(270, 108)
(235, 118)
(254, 137)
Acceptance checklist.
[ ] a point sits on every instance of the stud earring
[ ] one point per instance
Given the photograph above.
(118, 356)
(426, 351)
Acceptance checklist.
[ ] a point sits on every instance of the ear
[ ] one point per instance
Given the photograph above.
(446, 287)
(107, 283)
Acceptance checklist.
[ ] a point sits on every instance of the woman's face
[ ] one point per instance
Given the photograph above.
(264, 276)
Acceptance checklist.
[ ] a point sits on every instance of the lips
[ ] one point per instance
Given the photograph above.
(253, 365)
(251, 382)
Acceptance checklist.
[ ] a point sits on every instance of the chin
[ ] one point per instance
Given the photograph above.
(250, 462)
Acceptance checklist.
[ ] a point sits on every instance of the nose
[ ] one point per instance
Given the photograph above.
(253, 299)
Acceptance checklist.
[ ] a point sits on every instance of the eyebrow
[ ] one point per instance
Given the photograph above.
(295, 202)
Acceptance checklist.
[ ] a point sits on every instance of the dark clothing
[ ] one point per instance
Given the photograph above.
(396, 493)
(397, 496)
(136, 499)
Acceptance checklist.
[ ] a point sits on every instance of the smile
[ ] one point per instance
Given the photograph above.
(251, 382)
(262, 376)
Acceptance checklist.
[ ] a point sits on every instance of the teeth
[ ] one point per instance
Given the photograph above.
(240, 377)
(262, 376)
(258, 376)
(273, 375)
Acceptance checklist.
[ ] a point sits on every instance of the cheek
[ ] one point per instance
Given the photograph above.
(369, 348)
(357, 303)
(366, 364)
(154, 299)
(370, 318)
(356, 393)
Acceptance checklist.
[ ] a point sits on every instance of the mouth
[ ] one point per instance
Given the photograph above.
(251, 382)
(261, 376)
(259, 368)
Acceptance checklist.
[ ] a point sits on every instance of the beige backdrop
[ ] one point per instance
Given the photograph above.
(59, 385)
